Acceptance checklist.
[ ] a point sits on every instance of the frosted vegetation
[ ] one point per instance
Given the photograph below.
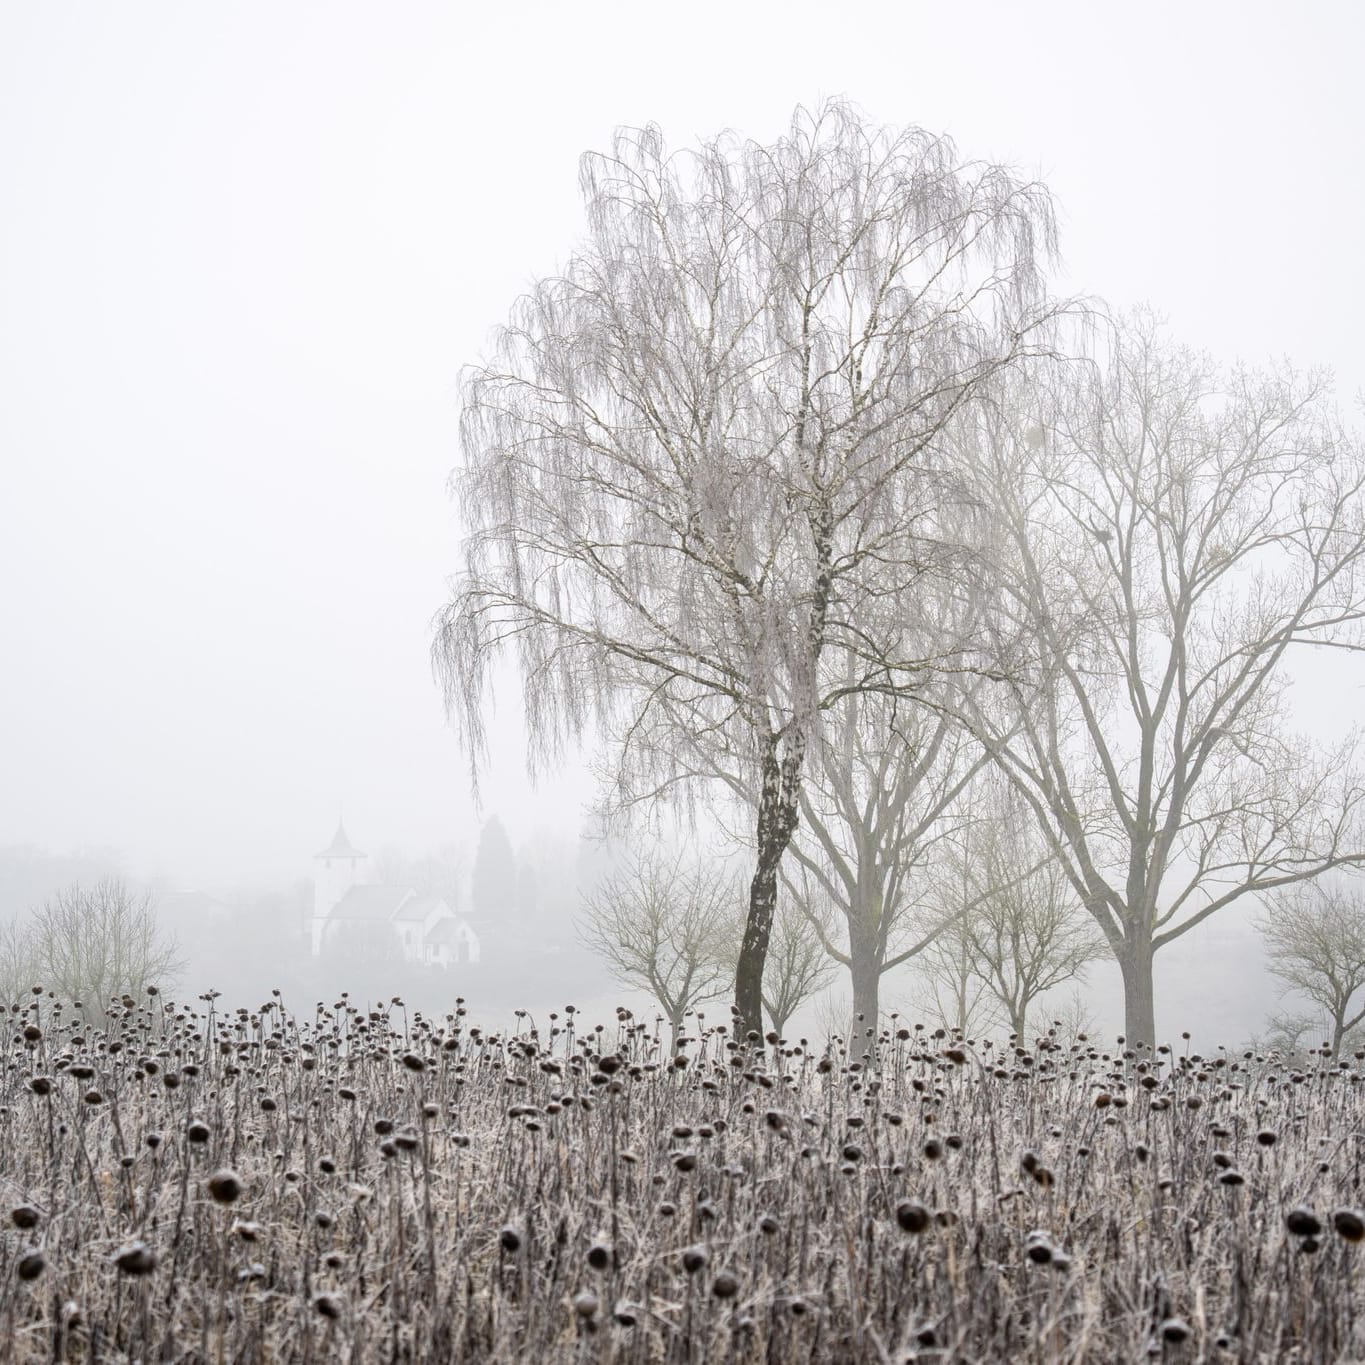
(361, 1183)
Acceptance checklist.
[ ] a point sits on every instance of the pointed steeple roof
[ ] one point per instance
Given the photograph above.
(340, 846)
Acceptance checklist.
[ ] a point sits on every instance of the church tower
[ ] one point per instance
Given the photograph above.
(338, 868)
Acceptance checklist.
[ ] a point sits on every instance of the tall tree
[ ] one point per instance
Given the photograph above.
(1172, 534)
(881, 785)
(493, 885)
(711, 448)
(797, 968)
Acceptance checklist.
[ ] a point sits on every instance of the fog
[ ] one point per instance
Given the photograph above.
(245, 251)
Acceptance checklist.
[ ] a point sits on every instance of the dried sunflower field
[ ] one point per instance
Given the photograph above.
(361, 1183)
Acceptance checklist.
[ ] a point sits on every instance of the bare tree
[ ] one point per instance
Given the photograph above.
(1171, 536)
(1023, 931)
(96, 943)
(712, 449)
(664, 926)
(18, 972)
(1315, 940)
(883, 785)
(1071, 1019)
(952, 990)
(881, 780)
(1286, 1033)
(797, 967)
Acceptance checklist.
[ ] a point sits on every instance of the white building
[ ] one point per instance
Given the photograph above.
(348, 905)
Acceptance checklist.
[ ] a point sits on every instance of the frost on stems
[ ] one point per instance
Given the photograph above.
(1172, 534)
(709, 453)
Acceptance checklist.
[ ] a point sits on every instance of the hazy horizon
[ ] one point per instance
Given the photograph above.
(247, 250)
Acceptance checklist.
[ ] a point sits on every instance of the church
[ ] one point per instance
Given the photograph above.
(351, 910)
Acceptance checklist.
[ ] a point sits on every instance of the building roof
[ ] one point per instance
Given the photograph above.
(448, 930)
(340, 846)
(371, 903)
(419, 907)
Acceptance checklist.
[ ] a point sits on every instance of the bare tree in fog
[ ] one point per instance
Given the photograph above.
(951, 989)
(1315, 941)
(883, 784)
(1024, 932)
(1287, 1032)
(18, 972)
(664, 925)
(1172, 534)
(797, 967)
(712, 448)
(882, 778)
(93, 943)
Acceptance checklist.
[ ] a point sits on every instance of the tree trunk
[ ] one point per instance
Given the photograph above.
(867, 979)
(778, 813)
(1139, 1007)
(753, 953)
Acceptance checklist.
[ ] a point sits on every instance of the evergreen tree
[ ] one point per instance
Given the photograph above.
(494, 889)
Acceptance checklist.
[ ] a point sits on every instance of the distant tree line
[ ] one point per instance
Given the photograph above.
(88, 945)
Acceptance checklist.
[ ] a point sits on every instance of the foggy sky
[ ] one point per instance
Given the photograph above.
(245, 248)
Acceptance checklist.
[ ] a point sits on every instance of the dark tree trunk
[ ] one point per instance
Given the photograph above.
(778, 813)
(1139, 1007)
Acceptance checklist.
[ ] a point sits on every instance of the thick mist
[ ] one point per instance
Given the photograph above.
(245, 252)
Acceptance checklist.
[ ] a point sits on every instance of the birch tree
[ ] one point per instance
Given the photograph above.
(797, 966)
(712, 448)
(1173, 535)
(881, 785)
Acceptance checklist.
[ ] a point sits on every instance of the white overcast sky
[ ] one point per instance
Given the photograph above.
(245, 248)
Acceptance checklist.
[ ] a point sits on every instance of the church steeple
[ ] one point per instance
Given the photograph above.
(338, 868)
(340, 846)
